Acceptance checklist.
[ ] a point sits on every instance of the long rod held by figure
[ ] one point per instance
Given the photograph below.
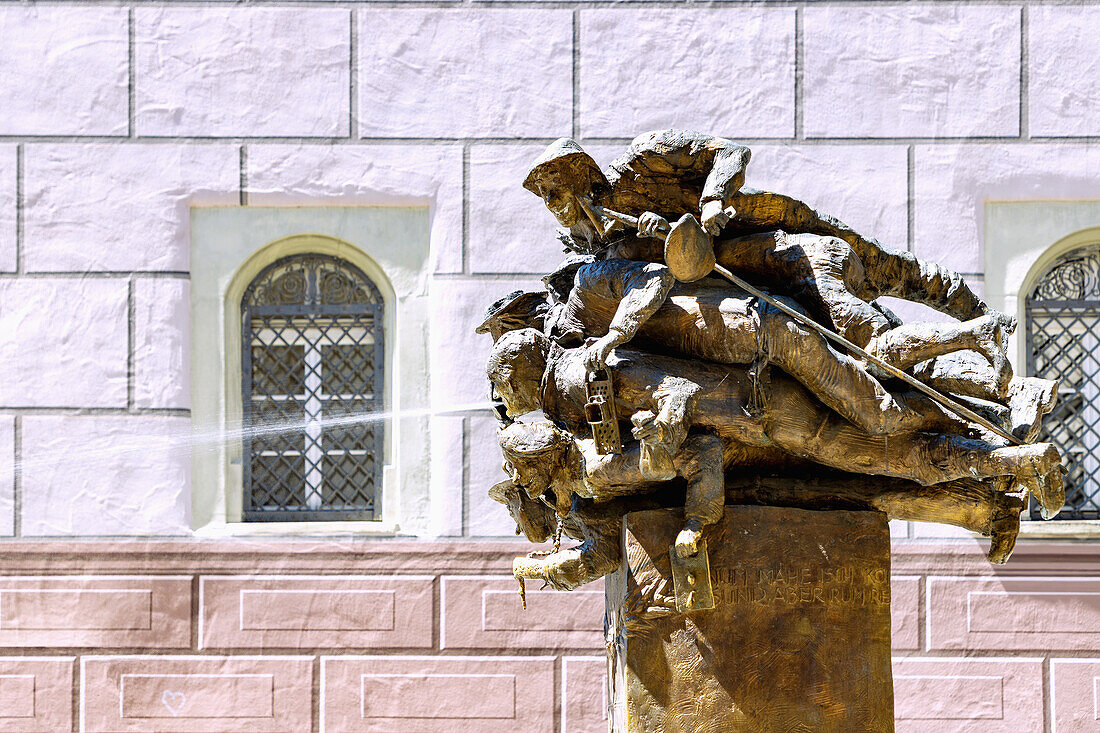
(687, 231)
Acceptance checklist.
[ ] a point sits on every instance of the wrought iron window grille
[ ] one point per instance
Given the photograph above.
(1062, 314)
(312, 363)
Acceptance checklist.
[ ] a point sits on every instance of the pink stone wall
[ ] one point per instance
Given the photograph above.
(118, 118)
(292, 636)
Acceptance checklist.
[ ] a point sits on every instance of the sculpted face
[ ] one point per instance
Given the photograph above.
(563, 205)
(533, 476)
(560, 193)
(517, 393)
(533, 518)
(515, 369)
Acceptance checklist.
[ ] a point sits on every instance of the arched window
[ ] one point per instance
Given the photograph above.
(1062, 312)
(312, 373)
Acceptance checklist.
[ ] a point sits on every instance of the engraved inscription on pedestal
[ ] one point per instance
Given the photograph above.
(799, 638)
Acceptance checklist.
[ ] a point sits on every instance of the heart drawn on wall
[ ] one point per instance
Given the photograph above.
(174, 701)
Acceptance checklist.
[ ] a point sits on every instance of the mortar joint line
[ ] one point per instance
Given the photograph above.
(1048, 697)
(559, 688)
(95, 274)
(316, 692)
(242, 183)
(196, 610)
(923, 645)
(131, 75)
(77, 695)
(576, 126)
(55, 411)
(130, 344)
(17, 476)
(816, 141)
(910, 196)
(353, 77)
(1025, 78)
(20, 214)
(465, 529)
(799, 71)
(466, 208)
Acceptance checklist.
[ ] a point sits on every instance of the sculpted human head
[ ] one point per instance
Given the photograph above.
(515, 368)
(533, 518)
(534, 453)
(560, 175)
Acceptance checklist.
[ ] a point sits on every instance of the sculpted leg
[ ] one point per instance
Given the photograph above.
(800, 425)
(891, 272)
(982, 506)
(826, 275)
(843, 383)
(821, 272)
(700, 463)
(1004, 525)
(908, 345)
(899, 273)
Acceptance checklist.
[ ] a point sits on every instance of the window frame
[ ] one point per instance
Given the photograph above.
(1054, 315)
(230, 246)
(1021, 240)
(313, 339)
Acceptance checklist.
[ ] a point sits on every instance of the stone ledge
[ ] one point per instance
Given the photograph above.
(373, 555)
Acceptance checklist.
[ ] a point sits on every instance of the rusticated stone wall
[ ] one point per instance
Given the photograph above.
(117, 117)
(390, 637)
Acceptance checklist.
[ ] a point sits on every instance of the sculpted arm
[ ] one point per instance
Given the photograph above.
(724, 180)
(721, 161)
(640, 290)
(674, 403)
(594, 558)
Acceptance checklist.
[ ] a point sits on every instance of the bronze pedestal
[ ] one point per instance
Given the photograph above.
(798, 639)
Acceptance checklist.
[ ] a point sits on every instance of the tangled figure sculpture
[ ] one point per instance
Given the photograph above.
(704, 343)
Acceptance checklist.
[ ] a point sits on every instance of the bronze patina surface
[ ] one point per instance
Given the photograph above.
(798, 640)
(720, 385)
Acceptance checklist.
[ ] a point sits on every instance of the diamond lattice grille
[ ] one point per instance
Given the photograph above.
(312, 363)
(1063, 344)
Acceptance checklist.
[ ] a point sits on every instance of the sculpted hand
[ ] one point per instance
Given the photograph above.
(666, 429)
(647, 427)
(566, 570)
(713, 217)
(650, 224)
(596, 353)
(655, 461)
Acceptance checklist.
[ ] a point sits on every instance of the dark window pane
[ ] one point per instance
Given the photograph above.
(350, 481)
(277, 425)
(278, 481)
(350, 426)
(278, 370)
(349, 369)
(311, 326)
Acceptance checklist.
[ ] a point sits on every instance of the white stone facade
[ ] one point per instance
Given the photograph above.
(901, 119)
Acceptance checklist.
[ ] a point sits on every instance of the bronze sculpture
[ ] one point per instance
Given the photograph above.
(782, 383)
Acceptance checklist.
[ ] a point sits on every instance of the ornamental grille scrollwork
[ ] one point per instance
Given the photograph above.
(312, 279)
(1073, 276)
(312, 376)
(1062, 315)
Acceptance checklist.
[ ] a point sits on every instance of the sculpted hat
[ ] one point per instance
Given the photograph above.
(515, 300)
(560, 281)
(565, 155)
